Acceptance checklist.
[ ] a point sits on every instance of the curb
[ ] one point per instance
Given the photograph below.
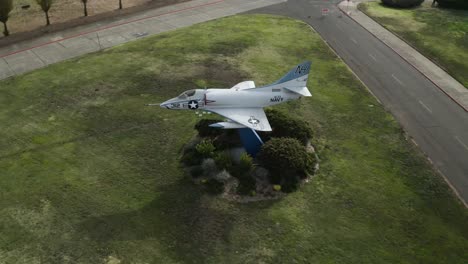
(425, 75)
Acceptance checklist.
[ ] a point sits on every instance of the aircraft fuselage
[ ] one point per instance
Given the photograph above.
(214, 98)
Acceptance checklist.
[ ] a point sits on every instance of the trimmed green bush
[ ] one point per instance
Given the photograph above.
(223, 160)
(286, 160)
(402, 3)
(247, 183)
(286, 126)
(204, 129)
(245, 163)
(205, 148)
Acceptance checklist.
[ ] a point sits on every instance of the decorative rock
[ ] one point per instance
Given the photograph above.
(209, 167)
(223, 176)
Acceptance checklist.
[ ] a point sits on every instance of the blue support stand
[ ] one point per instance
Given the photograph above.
(251, 141)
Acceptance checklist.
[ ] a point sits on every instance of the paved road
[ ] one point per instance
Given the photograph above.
(454, 89)
(433, 120)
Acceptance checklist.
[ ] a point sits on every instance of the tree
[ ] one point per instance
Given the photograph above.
(45, 6)
(85, 8)
(5, 8)
(402, 3)
(120, 4)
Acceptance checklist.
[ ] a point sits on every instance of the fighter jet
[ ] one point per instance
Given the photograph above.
(243, 104)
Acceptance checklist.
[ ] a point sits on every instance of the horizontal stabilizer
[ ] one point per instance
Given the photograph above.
(300, 90)
(227, 125)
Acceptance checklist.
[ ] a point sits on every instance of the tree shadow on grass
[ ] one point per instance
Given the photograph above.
(179, 218)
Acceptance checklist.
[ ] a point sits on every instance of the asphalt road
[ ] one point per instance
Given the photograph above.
(437, 124)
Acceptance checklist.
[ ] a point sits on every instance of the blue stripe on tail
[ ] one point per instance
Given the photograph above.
(298, 71)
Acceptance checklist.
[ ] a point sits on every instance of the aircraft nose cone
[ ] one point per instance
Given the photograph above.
(166, 104)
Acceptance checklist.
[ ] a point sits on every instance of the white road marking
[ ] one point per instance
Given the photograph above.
(461, 142)
(373, 57)
(425, 106)
(397, 80)
(353, 40)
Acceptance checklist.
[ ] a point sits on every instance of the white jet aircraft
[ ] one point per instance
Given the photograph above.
(243, 104)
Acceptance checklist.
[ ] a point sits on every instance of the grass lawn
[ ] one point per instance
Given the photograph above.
(440, 34)
(88, 174)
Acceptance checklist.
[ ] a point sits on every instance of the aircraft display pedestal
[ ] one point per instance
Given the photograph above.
(250, 140)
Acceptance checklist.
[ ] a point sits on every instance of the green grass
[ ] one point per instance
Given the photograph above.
(88, 174)
(440, 34)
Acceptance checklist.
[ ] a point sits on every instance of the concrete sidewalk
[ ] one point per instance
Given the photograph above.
(451, 87)
(50, 48)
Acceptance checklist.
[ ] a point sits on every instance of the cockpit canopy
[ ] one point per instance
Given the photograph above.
(187, 94)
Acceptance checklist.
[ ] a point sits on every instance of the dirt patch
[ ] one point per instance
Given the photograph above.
(221, 73)
(27, 23)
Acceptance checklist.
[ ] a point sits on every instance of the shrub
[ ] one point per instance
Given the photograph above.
(287, 126)
(402, 3)
(228, 138)
(245, 163)
(223, 160)
(286, 160)
(243, 173)
(191, 158)
(205, 148)
(247, 183)
(204, 130)
(280, 154)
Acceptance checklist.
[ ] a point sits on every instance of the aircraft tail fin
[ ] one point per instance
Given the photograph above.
(296, 80)
(298, 75)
